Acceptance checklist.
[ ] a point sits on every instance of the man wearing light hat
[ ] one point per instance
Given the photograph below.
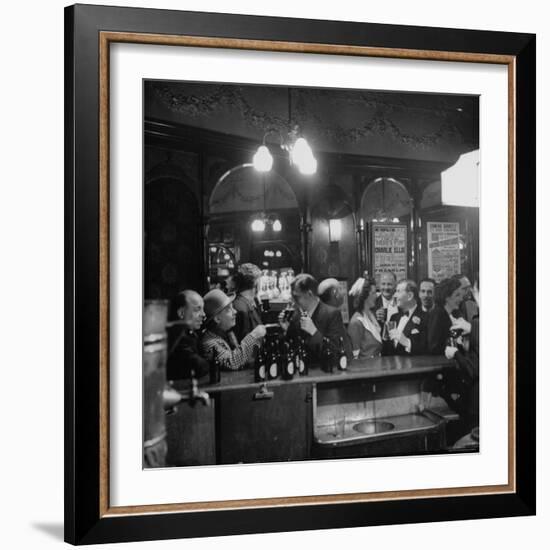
(219, 341)
(330, 293)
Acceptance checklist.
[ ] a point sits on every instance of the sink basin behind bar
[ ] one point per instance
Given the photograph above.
(373, 427)
(357, 431)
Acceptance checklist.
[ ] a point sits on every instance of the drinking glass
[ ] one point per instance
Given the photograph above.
(339, 425)
(390, 325)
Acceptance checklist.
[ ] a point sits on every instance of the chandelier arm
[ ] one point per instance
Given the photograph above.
(275, 131)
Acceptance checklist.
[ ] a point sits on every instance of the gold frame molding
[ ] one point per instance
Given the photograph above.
(105, 40)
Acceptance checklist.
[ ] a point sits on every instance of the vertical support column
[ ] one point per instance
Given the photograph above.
(367, 253)
(361, 245)
(415, 229)
(356, 209)
(204, 221)
(305, 229)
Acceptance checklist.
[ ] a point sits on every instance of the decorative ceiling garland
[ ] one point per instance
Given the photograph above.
(176, 98)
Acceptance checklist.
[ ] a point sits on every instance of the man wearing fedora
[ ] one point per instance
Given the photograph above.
(330, 293)
(219, 341)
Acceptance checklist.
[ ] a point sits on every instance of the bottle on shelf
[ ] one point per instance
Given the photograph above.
(342, 358)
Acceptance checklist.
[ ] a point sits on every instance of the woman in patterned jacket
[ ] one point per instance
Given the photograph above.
(219, 341)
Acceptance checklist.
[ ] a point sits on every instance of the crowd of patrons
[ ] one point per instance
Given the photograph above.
(397, 318)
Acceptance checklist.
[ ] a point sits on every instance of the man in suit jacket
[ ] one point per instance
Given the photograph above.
(384, 305)
(468, 306)
(426, 294)
(315, 320)
(410, 335)
(183, 354)
(248, 316)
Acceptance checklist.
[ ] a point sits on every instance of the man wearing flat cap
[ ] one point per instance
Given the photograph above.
(219, 341)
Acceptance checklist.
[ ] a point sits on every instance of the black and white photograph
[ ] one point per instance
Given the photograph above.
(280, 230)
(310, 273)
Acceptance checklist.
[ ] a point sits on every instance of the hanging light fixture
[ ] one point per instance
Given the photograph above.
(301, 155)
(296, 145)
(258, 225)
(262, 160)
(298, 149)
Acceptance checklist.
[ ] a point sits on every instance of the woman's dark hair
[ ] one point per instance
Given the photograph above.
(361, 298)
(444, 289)
(243, 281)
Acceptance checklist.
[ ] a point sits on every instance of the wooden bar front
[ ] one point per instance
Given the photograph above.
(288, 420)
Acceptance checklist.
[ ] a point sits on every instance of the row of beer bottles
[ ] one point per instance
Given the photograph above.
(281, 358)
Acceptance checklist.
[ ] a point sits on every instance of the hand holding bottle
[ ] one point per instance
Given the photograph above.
(461, 324)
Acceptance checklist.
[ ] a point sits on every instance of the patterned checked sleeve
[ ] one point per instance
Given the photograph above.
(213, 346)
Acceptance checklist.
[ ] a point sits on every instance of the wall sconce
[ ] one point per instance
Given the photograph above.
(334, 230)
(259, 224)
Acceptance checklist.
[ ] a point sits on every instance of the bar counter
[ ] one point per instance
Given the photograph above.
(376, 367)
(320, 415)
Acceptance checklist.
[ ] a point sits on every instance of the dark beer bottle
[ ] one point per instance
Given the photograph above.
(335, 356)
(288, 362)
(260, 368)
(454, 335)
(342, 358)
(273, 363)
(297, 356)
(215, 369)
(327, 356)
(301, 358)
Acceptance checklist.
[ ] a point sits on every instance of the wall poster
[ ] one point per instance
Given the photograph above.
(443, 250)
(389, 250)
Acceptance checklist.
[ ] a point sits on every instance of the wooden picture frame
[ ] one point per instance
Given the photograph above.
(89, 33)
